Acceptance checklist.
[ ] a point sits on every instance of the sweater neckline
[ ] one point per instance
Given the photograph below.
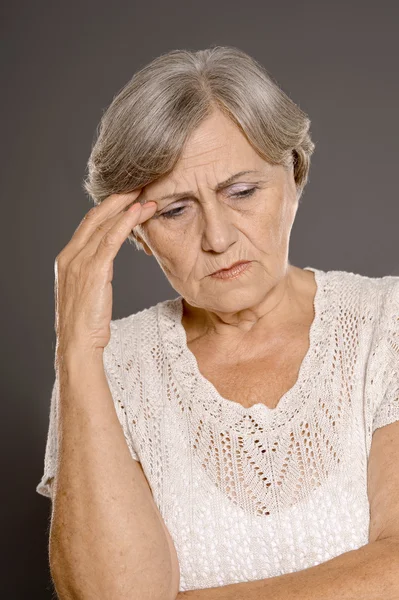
(183, 362)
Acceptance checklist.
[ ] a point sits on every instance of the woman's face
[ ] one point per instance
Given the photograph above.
(208, 229)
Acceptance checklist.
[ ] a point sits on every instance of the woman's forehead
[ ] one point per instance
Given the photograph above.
(218, 187)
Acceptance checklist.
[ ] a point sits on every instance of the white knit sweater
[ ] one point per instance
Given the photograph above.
(252, 493)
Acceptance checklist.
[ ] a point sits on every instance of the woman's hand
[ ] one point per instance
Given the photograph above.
(84, 272)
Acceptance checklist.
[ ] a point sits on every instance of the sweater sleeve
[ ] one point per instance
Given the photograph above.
(386, 409)
(113, 372)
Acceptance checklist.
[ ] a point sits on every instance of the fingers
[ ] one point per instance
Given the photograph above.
(107, 240)
(100, 231)
(113, 206)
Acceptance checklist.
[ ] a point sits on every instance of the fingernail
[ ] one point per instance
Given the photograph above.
(134, 207)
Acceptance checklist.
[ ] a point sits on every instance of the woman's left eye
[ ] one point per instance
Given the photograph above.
(244, 193)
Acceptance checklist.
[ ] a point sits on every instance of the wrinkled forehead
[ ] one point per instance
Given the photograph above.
(178, 189)
(214, 152)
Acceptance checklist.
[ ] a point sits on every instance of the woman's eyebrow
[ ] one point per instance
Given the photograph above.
(218, 187)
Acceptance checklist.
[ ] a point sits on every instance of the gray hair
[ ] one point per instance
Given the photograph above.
(142, 133)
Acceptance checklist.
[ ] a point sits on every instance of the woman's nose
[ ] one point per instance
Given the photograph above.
(218, 231)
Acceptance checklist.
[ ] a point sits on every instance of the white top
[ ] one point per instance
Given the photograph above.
(252, 493)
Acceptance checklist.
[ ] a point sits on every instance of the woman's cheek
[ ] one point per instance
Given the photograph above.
(160, 239)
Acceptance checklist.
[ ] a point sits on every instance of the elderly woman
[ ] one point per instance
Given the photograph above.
(239, 440)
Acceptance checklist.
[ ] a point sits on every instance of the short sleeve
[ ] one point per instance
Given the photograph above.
(386, 408)
(50, 455)
(114, 375)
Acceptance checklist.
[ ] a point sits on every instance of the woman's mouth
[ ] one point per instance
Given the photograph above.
(234, 271)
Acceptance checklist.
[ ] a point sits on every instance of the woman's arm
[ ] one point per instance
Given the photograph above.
(107, 537)
(368, 573)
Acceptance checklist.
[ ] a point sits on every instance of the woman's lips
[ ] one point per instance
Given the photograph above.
(233, 271)
(239, 262)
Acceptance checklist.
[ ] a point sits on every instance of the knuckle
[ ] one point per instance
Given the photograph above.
(60, 261)
(75, 267)
(109, 239)
(91, 213)
(101, 227)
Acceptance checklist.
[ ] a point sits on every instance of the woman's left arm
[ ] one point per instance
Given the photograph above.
(368, 573)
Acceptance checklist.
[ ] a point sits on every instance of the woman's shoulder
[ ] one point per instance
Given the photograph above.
(359, 305)
(366, 308)
(374, 292)
(139, 330)
(359, 279)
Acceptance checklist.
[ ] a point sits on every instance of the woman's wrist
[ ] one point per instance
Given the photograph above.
(78, 359)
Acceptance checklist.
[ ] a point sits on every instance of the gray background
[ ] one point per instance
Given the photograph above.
(61, 64)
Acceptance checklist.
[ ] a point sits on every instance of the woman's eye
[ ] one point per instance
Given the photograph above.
(244, 193)
(170, 214)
